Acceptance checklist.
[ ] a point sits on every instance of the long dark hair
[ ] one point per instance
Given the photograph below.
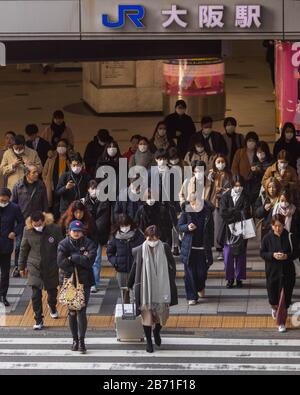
(123, 220)
(68, 217)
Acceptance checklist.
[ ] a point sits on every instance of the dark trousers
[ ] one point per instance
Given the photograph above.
(78, 319)
(37, 302)
(5, 269)
(195, 274)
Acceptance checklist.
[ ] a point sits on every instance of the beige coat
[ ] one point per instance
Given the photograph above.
(2, 178)
(289, 179)
(48, 175)
(15, 175)
(188, 188)
(47, 134)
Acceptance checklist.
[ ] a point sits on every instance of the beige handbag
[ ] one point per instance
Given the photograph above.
(70, 295)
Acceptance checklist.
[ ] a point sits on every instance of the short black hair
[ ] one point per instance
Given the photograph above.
(5, 192)
(11, 133)
(161, 153)
(20, 140)
(103, 135)
(230, 120)
(206, 120)
(31, 129)
(135, 137)
(76, 157)
(180, 103)
(38, 216)
(198, 163)
(252, 136)
(58, 114)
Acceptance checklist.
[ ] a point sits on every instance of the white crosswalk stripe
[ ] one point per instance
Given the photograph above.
(177, 355)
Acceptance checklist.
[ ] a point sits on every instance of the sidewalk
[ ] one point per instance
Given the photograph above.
(222, 308)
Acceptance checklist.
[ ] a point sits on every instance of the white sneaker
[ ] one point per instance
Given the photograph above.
(53, 314)
(38, 327)
(274, 314)
(94, 290)
(282, 329)
(201, 294)
(192, 302)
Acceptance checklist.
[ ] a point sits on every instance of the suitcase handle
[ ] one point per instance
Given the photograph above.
(128, 315)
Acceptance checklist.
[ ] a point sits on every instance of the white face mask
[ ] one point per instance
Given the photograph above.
(220, 166)
(282, 166)
(284, 205)
(289, 136)
(261, 156)
(162, 132)
(61, 150)
(143, 148)
(238, 190)
(112, 151)
(199, 176)
(207, 131)
(76, 169)
(3, 205)
(39, 228)
(251, 145)
(230, 129)
(93, 193)
(19, 152)
(150, 202)
(152, 243)
(200, 150)
(174, 161)
(180, 112)
(125, 229)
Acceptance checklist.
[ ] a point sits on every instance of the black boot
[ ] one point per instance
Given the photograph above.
(82, 347)
(148, 334)
(156, 333)
(75, 345)
(239, 284)
(230, 285)
(4, 301)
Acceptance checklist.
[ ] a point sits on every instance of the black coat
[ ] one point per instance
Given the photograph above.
(215, 139)
(42, 149)
(163, 215)
(119, 252)
(11, 220)
(70, 255)
(30, 201)
(102, 214)
(77, 193)
(92, 154)
(183, 124)
(231, 213)
(135, 276)
(280, 274)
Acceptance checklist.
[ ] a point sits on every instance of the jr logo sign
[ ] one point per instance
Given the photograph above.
(135, 13)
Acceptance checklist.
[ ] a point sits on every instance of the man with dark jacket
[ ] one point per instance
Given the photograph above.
(73, 184)
(214, 141)
(78, 252)
(11, 226)
(180, 126)
(95, 150)
(38, 257)
(30, 195)
(41, 146)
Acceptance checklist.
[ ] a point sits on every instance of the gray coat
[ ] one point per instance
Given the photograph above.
(30, 202)
(136, 275)
(39, 250)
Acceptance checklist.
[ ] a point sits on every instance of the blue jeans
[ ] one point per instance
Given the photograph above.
(97, 266)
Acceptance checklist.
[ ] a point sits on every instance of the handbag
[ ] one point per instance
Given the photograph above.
(296, 261)
(245, 228)
(70, 295)
(237, 245)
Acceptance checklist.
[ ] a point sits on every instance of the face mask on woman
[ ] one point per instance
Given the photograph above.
(112, 152)
(61, 150)
(220, 166)
(19, 152)
(3, 205)
(93, 193)
(76, 169)
(39, 228)
(150, 202)
(125, 229)
(230, 129)
(284, 205)
(238, 190)
(143, 148)
(152, 243)
(174, 161)
(282, 166)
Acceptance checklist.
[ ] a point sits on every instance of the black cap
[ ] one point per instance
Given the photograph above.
(5, 192)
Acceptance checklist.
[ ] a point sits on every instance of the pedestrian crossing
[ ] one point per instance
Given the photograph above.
(177, 356)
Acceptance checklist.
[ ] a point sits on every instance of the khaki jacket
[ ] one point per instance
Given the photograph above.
(15, 175)
(47, 134)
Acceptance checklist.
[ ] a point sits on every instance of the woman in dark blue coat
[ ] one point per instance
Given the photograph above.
(197, 225)
(119, 249)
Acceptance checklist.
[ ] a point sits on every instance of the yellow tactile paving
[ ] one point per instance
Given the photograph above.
(233, 322)
(188, 322)
(172, 322)
(208, 322)
(256, 322)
